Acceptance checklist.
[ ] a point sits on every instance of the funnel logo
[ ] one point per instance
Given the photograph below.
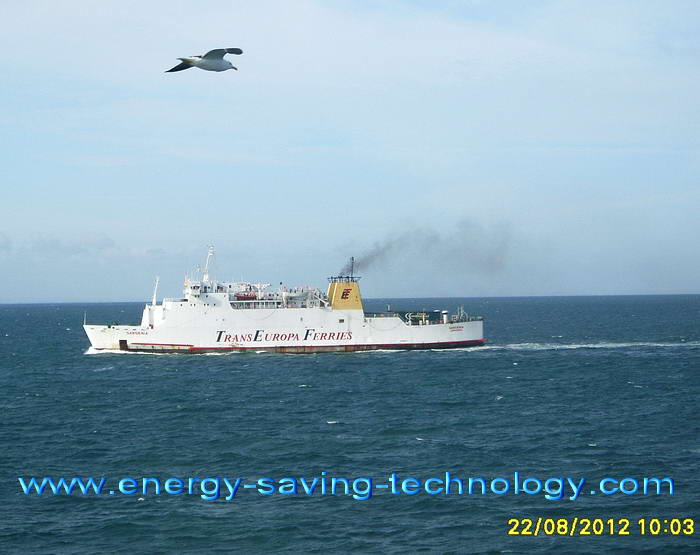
(346, 294)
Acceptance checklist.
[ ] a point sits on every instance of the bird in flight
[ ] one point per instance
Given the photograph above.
(211, 61)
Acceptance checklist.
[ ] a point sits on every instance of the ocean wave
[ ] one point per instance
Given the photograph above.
(572, 346)
(93, 351)
(528, 346)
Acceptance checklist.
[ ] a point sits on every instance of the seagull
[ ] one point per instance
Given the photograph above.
(211, 61)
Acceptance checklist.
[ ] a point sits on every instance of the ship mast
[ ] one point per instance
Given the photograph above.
(210, 255)
(155, 291)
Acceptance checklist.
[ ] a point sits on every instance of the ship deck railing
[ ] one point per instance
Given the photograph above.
(257, 304)
(428, 316)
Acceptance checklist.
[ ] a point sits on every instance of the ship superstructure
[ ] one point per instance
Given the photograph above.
(215, 316)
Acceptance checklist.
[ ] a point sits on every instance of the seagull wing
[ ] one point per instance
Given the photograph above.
(219, 53)
(179, 67)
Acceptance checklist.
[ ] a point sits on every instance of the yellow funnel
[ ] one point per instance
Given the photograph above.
(344, 295)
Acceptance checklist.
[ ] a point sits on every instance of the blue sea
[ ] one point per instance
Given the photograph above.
(583, 387)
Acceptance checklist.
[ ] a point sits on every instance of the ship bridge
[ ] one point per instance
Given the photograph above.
(240, 295)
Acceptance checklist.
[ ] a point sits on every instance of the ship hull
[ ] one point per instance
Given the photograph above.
(304, 330)
(293, 349)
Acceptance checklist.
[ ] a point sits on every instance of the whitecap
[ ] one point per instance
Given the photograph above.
(93, 351)
(602, 345)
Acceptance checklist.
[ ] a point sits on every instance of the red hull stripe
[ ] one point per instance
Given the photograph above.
(165, 344)
(316, 348)
(363, 346)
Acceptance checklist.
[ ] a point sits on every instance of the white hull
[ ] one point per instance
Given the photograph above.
(284, 330)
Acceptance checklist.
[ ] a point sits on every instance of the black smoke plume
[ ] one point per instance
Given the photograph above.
(465, 246)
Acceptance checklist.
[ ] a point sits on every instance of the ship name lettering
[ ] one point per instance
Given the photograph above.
(332, 336)
(282, 336)
(233, 337)
(222, 336)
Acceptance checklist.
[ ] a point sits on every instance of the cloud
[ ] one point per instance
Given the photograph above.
(5, 243)
(65, 247)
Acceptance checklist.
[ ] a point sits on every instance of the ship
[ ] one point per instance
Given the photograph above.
(219, 316)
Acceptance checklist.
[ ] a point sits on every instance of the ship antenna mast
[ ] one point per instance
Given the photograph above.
(155, 291)
(210, 255)
(352, 266)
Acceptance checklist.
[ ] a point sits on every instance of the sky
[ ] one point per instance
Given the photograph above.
(481, 148)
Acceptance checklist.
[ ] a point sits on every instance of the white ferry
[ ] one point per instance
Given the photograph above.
(216, 316)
